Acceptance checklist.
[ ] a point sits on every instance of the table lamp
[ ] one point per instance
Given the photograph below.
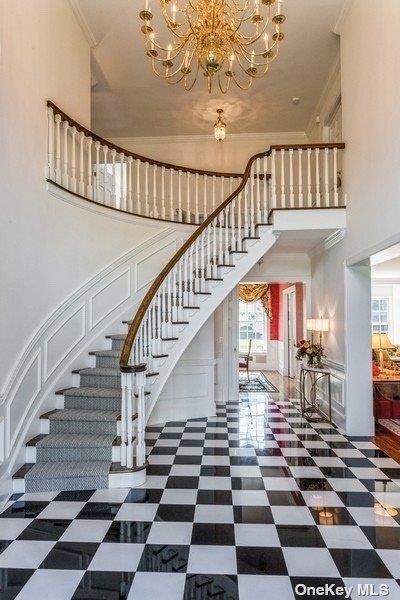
(319, 326)
(381, 342)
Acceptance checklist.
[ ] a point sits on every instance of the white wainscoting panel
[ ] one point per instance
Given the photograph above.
(63, 339)
(147, 270)
(188, 393)
(109, 297)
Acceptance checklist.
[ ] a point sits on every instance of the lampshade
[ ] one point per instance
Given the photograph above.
(380, 341)
(318, 325)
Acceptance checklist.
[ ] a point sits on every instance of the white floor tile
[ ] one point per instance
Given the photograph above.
(292, 515)
(322, 498)
(165, 586)
(116, 557)
(169, 532)
(205, 513)
(11, 528)
(392, 587)
(261, 587)
(215, 483)
(343, 536)
(110, 495)
(185, 470)
(280, 484)
(307, 562)
(244, 471)
(136, 512)
(250, 497)
(272, 461)
(391, 560)
(179, 496)
(57, 584)
(216, 461)
(61, 510)
(254, 534)
(86, 530)
(365, 516)
(368, 473)
(220, 560)
(23, 554)
(388, 499)
(313, 472)
(346, 485)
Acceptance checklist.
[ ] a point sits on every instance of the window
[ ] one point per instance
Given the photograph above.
(252, 326)
(380, 315)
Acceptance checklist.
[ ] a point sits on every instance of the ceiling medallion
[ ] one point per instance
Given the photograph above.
(226, 40)
(219, 127)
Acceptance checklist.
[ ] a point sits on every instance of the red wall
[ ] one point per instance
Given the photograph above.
(276, 323)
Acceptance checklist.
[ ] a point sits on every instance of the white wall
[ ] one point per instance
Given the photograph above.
(371, 122)
(204, 152)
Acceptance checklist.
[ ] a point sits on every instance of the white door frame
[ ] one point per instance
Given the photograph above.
(289, 337)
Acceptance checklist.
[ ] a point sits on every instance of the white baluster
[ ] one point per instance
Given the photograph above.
(180, 196)
(300, 177)
(73, 160)
(257, 174)
(141, 422)
(213, 193)
(50, 144)
(317, 182)
(58, 149)
(130, 197)
(273, 178)
(97, 180)
(222, 184)
(309, 194)
(146, 190)
(81, 186)
(220, 241)
(232, 224)
(163, 192)
(188, 217)
(138, 203)
(171, 194)
(252, 215)
(246, 231)
(89, 190)
(65, 155)
(265, 194)
(124, 186)
(113, 195)
(326, 177)
(124, 386)
(283, 194)
(226, 223)
(239, 224)
(197, 200)
(291, 190)
(155, 210)
(335, 178)
(205, 198)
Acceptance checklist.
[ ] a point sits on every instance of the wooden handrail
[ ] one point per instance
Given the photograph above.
(119, 150)
(134, 326)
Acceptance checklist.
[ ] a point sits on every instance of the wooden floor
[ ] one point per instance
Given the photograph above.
(384, 439)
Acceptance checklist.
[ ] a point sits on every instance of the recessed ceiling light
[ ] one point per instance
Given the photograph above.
(295, 100)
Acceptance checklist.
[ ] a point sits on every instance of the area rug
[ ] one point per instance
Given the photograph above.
(258, 383)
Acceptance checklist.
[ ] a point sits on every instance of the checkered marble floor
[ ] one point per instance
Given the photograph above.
(247, 504)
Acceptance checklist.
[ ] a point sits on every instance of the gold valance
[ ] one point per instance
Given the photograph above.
(251, 292)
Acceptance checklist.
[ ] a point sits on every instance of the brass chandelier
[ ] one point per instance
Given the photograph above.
(225, 40)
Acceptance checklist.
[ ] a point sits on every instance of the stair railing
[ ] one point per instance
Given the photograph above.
(89, 166)
(301, 177)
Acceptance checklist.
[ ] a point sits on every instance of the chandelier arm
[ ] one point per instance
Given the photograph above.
(190, 87)
(242, 87)
(228, 83)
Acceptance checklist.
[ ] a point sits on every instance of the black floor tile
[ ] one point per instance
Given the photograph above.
(183, 459)
(337, 472)
(260, 561)
(170, 435)
(357, 462)
(275, 472)
(143, 496)
(158, 469)
(282, 498)
(247, 483)
(4, 544)
(164, 450)
(220, 534)
(218, 587)
(309, 484)
(304, 536)
(359, 563)
(383, 538)
(75, 496)
(380, 485)
(128, 532)
(208, 451)
(392, 473)
(104, 585)
(252, 514)
(268, 452)
(24, 510)
(70, 555)
(364, 499)
(332, 515)
(215, 471)
(164, 559)
(44, 529)
(300, 461)
(175, 512)
(243, 460)
(187, 483)
(99, 510)
(12, 581)
(214, 497)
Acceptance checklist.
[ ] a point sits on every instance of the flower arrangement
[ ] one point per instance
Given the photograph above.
(313, 352)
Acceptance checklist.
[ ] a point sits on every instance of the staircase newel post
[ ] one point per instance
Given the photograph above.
(129, 415)
(141, 446)
(123, 456)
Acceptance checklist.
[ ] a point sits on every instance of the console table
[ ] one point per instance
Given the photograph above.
(309, 379)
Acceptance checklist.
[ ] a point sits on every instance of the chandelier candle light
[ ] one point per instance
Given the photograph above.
(219, 127)
(226, 40)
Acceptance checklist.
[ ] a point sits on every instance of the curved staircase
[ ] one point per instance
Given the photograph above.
(97, 438)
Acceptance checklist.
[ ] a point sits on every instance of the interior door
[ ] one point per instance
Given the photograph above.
(291, 333)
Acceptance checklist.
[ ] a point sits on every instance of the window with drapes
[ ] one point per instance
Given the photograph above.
(254, 308)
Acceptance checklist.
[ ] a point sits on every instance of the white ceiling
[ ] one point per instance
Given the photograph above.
(128, 100)
(389, 269)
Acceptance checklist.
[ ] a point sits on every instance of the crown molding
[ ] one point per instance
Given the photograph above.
(337, 28)
(269, 137)
(327, 243)
(384, 280)
(83, 24)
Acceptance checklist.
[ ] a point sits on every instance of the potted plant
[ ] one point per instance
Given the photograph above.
(313, 352)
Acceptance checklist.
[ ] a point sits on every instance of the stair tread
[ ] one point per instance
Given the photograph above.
(81, 440)
(81, 414)
(99, 371)
(92, 392)
(65, 469)
(112, 353)
(116, 336)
